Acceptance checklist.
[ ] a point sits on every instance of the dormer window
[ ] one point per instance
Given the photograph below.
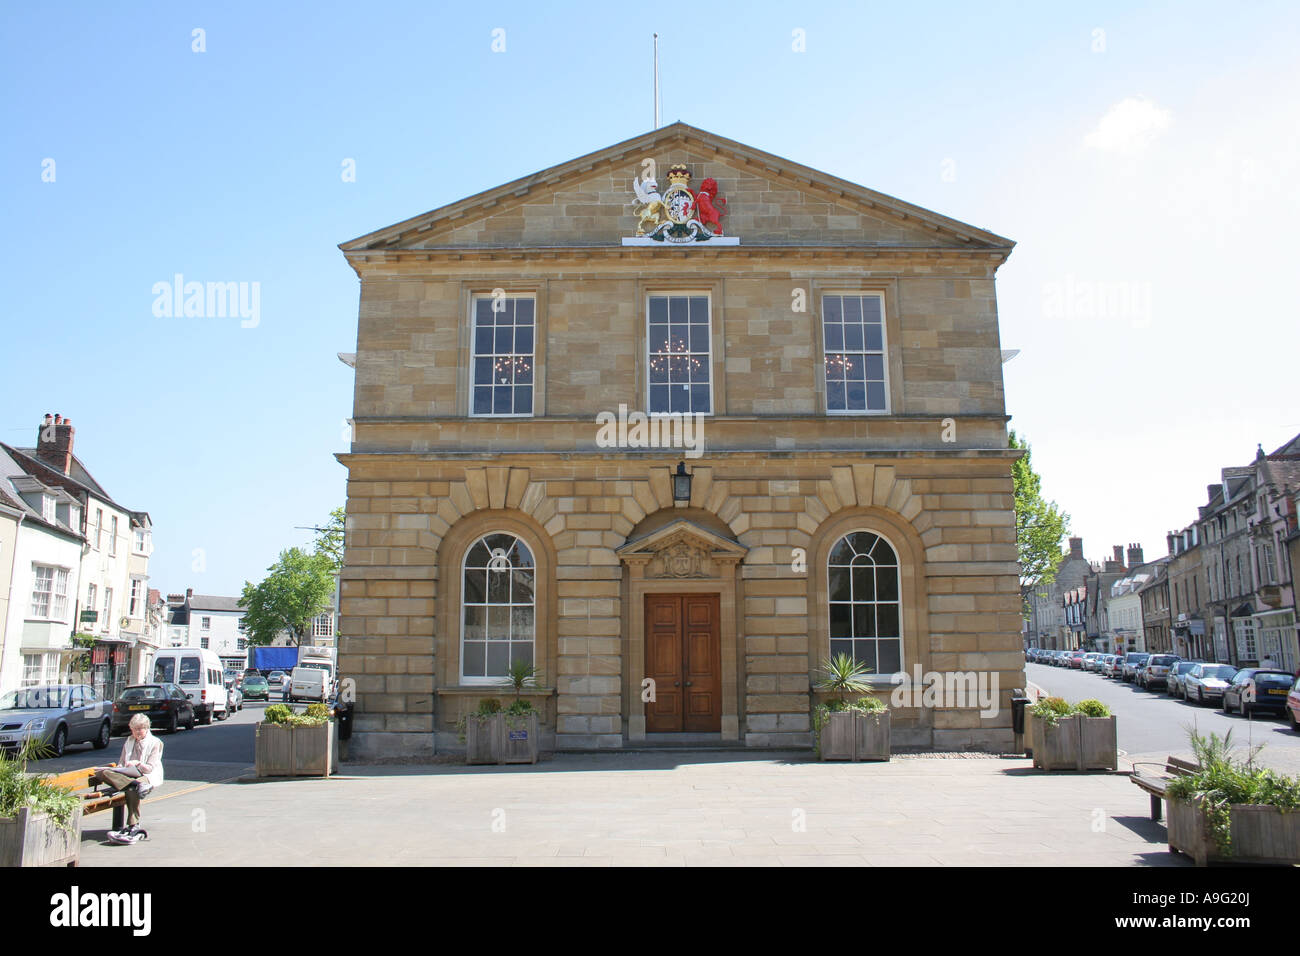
(48, 508)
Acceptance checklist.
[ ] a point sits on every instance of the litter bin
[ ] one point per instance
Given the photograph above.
(343, 713)
(1018, 705)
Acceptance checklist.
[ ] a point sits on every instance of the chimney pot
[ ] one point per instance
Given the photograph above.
(54, 437)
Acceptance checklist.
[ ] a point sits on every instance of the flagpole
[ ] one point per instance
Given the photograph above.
(656, 72)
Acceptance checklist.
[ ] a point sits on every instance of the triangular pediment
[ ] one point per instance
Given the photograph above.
(590, 202)
(686, 532)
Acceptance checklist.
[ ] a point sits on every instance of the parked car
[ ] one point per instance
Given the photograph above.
(1155, 672)
(1132, 663)
(1075, 660)
(166, 706)
(1207, 682)
(256, 687)
(1174, 679)
(276, 679)
(1107, 666)
(1293, 705)
(1254, 689)
(1090, 660)
(54, 716)
(234, 697)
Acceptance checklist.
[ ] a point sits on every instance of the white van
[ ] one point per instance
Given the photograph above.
(198, 672)
(309, 683)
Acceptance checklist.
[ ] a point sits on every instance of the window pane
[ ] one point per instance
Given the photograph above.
(679, 399)
(875, 365)
(475, 655)
(700, 339)
(521, 590)
(524, 341)
(521, 623)
(498, 587)
(853, 337)
(498, 658)
(482, 401)
(498, 623)
(835, 396)
(504, 341)
(523, 399)
(659, 396)
(658, 309)
(501, 400)
(677, 309)
(864, 588)
(834, 337)
(475, 587)
(524, 312)
(475, 623)
(865, 653)
(658, 338)
(887, 620)
(864, 620)
(839, 584)
(832, 308)
(876, 396)
(841, 647)
(875, 338)
(891, 660)
(841, 620)
(852, 309)
(700, 399)
(483, 341)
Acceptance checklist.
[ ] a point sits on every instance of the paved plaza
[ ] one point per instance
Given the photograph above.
(659, 809)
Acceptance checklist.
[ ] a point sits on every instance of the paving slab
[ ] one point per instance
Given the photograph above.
(653, 810)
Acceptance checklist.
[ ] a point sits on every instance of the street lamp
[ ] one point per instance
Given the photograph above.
(681, 486)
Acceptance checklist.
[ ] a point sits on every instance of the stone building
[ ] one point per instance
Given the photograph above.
(824, 363)
(1154, 596)
(1187, 583)
(1047, 623)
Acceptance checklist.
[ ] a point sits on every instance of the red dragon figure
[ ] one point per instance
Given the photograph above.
(708, 214)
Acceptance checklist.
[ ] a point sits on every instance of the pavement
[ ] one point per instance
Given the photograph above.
(646, 809)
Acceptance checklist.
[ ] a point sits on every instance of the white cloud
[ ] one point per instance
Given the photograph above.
(1130, 126)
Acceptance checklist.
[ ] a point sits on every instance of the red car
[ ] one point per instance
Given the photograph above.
(1075, 660)
(1293, 705)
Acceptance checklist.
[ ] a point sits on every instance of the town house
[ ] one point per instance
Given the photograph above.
(675, 422)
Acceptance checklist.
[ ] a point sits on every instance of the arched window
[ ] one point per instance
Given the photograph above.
(498, 608)
(865, 618)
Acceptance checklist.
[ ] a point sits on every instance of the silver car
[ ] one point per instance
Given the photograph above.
(1207, 682)
(54, 716)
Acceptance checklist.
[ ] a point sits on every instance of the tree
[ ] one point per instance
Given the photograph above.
(297, 589)
(329, 539)
(1040, 525)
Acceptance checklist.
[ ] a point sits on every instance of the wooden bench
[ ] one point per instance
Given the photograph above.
(93, 799)
(1155, 785)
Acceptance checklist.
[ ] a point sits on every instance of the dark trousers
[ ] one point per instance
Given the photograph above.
(129, 786)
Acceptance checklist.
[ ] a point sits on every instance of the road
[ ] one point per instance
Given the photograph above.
(222, 744)
(1152, 725)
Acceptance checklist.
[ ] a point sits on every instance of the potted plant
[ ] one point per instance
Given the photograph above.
(40, 824)
(844, 729)
(495, 735)
(518, 722)
(1078, 736)
(297, 745)
(1232, 810)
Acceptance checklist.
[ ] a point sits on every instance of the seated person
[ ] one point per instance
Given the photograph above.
(139, 771)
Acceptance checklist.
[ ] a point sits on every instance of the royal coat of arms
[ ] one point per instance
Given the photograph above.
(681, 214)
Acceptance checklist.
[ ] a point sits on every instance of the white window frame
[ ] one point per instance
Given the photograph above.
(48, 510)
(138, 541)
(54, 595)
(137, 591)
(322, 625)
(205, 624)
(898, 566)
(492, 680)
(106, 623)
(112, 538)
(474, 355)
(646, 354)
(99, 529)
(864, 352)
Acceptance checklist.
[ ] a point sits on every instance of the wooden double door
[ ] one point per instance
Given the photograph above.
(683, 641)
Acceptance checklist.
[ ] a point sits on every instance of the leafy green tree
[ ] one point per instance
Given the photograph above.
(297, 588)
(329, 539)
(1041, 527)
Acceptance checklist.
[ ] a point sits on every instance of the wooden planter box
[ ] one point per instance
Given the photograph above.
(501, 739)
(518, 738)
(32, 839)
(1076, 743)
(872, 736)
(1258, 834)
(287, 751)
(851, 735)
(480, 740)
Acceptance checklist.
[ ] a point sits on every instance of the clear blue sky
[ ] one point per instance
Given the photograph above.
(1162, 165)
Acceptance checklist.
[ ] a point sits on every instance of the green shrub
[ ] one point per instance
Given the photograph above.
(1092, 708)
(319, 711)
(869, 705)
(20, 789)
(1051, 709)
(277, 714)
(521, 707)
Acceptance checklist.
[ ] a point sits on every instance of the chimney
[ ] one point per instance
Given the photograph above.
(54, 442)
(1134, 555)
(1076, 548)
(1119, 554)
(189, 593)
(1169, 541)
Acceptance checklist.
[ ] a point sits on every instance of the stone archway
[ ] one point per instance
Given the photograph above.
(681, 558)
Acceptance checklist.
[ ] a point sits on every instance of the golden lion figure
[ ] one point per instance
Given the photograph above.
(652, 211)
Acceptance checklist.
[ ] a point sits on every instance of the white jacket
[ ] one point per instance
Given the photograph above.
(152, 752)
